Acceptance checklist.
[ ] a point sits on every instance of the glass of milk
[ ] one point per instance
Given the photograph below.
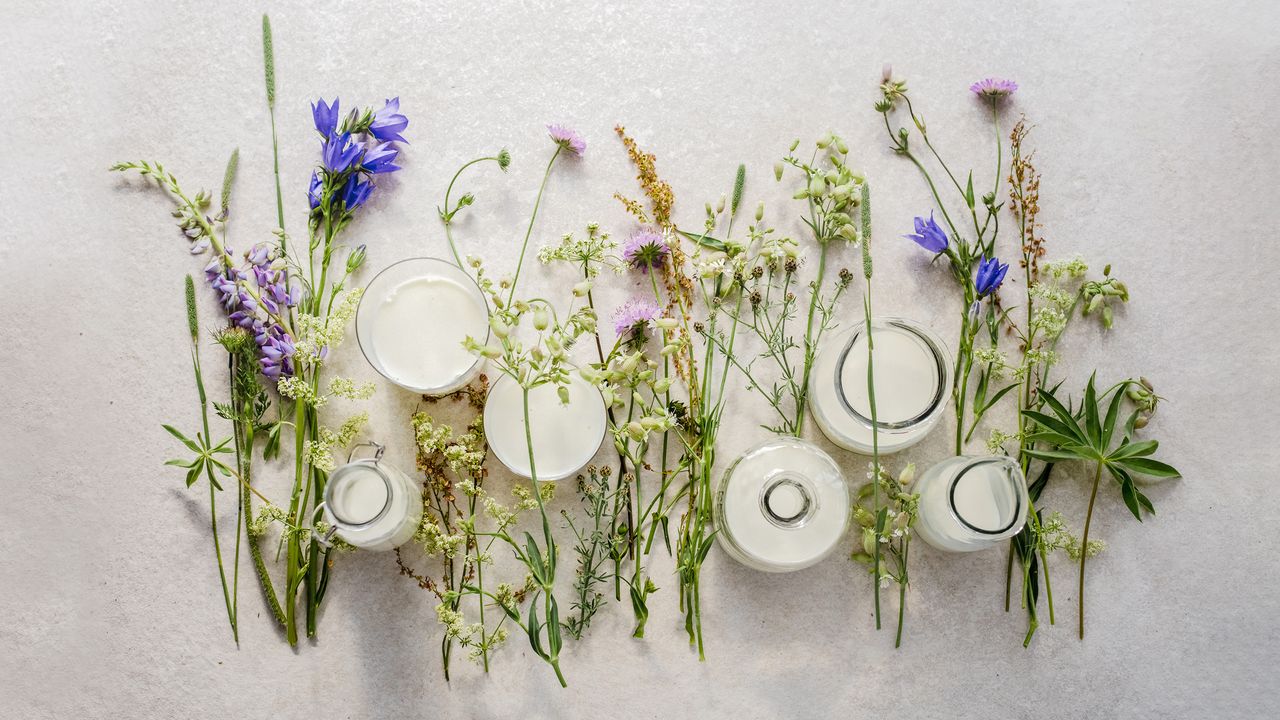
(912, 383)
(971, 503)
(371, 504)
(783, 505)
(413, 319)
(565, 436)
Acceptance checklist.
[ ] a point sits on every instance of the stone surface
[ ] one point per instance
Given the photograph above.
(1154, 123)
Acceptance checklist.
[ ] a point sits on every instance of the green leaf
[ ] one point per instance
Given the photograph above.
(1066, 427)
(968, 191)
(996, 398)
(1113, 414)
(534, 557)
(704, 240)
(194, 474)
(1050, 455)
(180, 463)
(1144, 502)
(1132, 450)
(191, 445)
(1058, 408)
(1147, 466)
(1054, 439)
(554, 641)
(1092, 425)
(1130, 494)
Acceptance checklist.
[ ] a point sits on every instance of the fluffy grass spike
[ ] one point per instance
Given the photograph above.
(192, 324)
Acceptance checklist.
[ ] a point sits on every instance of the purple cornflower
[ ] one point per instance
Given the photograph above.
(644, 250)
(315, 190)
(388, 123)
(994, 88)
(381, 158)
(356, 192)
(928, 235)
(339, 153)
(634, 316)
(990, 274)
(567, 139)
(325, 116)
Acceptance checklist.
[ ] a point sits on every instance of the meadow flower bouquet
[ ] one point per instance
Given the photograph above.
(291, 300)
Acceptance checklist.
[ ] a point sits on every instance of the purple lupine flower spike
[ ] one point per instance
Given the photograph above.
(388, 123)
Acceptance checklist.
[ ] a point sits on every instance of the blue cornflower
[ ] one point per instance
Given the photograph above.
(315, 190)
(356, 192)
(339, 153)
(990, 274)
(928, 235)
(325, 116)
(388, 123)
(381, 158)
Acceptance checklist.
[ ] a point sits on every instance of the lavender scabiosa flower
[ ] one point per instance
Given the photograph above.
(339, 153)
(929, 235)
(644, 250)
(990, 274)
(634, 316)
(325, 117)
(388, 123)
(994, 88)
(567, 139)
(381, 159)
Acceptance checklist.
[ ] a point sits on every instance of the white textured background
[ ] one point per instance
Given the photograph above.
(1155, 127)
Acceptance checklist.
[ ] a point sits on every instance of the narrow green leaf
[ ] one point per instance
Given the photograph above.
(1130, 494)
(180, 463)
(1092, 425)
(968, 191)
(1113, 414)
(191, 445)
(1052, 454)
(704, 240)
(1132, 450)
(193, 474)
(999, 394)
(1066, 427)
(1147, 466)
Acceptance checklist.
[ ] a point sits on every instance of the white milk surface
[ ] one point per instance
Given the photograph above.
(418, 330)
(565, 437)
(906, 375)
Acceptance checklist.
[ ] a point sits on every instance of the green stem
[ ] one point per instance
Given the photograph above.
(802, 391)
(447, 215)
(1084, 541)
(524, 246)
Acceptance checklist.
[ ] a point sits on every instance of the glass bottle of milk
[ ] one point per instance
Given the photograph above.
(783, 505)
(370, 503)
(971, 503)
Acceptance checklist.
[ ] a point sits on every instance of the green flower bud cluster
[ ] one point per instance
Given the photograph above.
(1097, 296)
(833, 189)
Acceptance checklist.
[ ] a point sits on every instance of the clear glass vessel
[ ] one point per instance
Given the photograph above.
(781, 506)
(565, 437)
(370, 503)
(912, 383)
(971, 503)
(413, 319)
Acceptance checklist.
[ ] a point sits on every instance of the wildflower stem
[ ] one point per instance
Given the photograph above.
(446, 216)
(532, 218)
(1084, 541)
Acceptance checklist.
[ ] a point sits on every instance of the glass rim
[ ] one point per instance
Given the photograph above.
(1017, 494)
(336, 476)
(459, 272)
(941, 361)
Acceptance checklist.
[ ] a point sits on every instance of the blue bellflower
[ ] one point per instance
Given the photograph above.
(990, 274)
(929, 236)
(325, 116)
(339, 153)
(381, 158)
(388, 123)
(356, 192)
(315, 190)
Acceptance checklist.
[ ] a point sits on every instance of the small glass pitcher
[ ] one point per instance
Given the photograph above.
(971, 503)
(370, 503)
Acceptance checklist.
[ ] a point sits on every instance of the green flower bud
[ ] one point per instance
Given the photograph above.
(541, 319)
(500, 327)
(662, 385)
(635, 430)
(824, 141)
(563, 392)
(777, 170)
(817, 186)
(666, 323)
(760, 211)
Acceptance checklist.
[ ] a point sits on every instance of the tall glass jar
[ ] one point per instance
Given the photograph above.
(781, 506)
(971, 503)
(912, 384)
(370, 503)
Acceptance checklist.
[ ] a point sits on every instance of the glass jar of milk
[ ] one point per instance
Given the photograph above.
(413, 319)
(912, 384)
(783, 505)
(370, 503)
(971, 503)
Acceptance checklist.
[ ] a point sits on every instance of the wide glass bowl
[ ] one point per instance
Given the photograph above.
(413, 319)
(912, 383)
(565, 437)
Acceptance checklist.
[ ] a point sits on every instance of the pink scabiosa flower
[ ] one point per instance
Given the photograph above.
(644, 250)
(634, 316)
(994, 88)
(567, 139)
